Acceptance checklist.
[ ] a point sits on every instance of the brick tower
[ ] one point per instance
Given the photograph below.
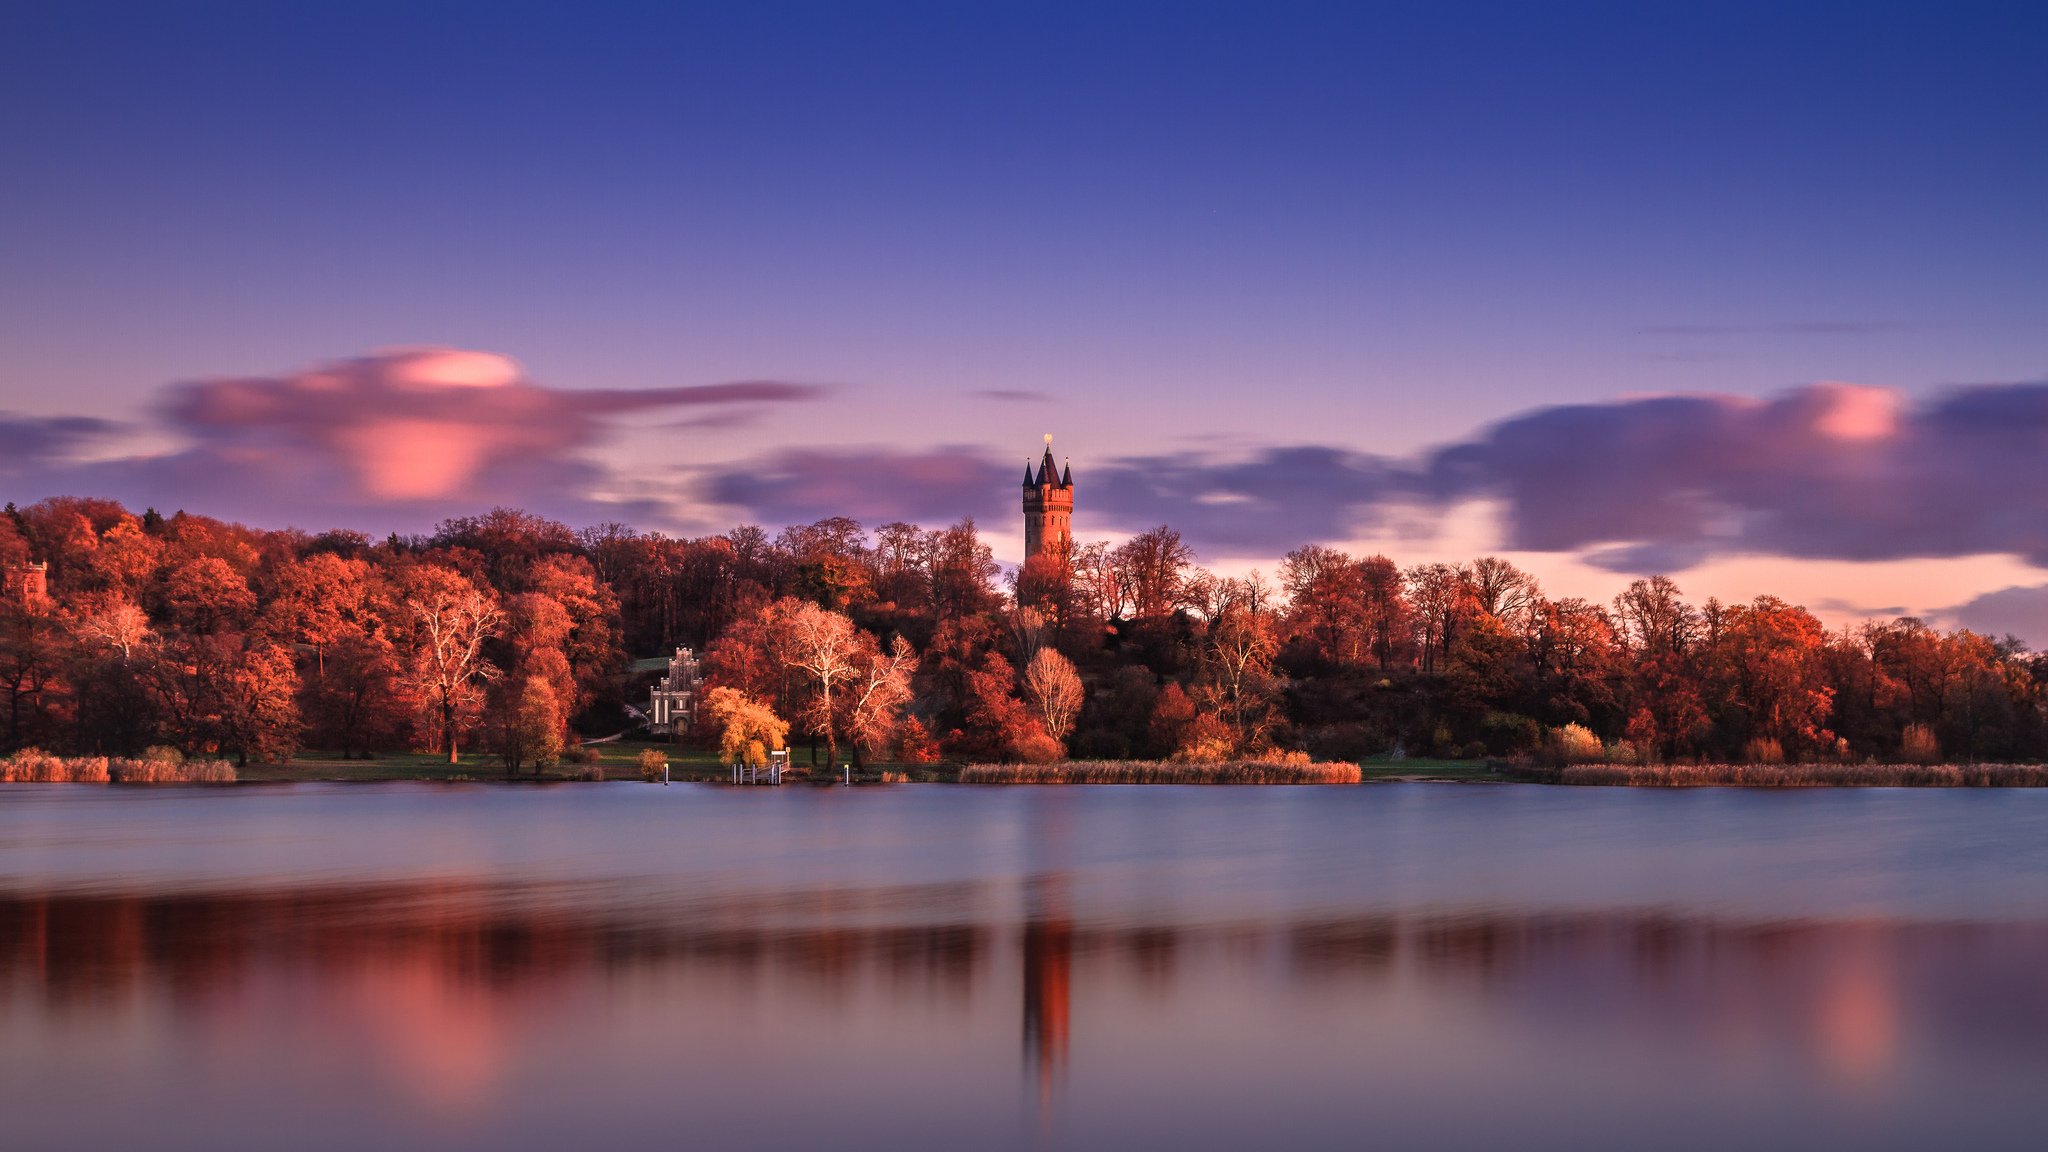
(1048, 507)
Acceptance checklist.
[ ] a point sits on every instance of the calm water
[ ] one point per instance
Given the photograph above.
(1402, 966)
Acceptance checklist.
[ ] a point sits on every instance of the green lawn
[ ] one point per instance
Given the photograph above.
(620, 761)
(1427, 769)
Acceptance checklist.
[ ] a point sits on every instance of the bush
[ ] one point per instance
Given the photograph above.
(1919, 745)
(1764, 750)
(653, 764)
(1573, 744)
(34, 766)
(1035, 747)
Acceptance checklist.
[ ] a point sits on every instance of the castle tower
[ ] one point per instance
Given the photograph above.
(1048, 507)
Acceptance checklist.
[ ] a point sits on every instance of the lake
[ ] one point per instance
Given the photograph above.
(615, 966)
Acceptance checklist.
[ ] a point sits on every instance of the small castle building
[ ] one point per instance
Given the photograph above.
(1048, 507)
(672, 706)
(27, 583)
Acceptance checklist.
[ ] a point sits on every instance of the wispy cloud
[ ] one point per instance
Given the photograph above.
(2017, 611)
(873, 485)
(1011, 395)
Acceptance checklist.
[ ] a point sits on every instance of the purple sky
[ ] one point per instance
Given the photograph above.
(1756, 295)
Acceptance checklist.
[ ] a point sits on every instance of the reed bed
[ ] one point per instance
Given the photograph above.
(1162, 772)
(34, 766)
(1809, 775)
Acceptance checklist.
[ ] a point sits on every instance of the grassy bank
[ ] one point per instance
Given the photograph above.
(1161, 772)
(1808, 775)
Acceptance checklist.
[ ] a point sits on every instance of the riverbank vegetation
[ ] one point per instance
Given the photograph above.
(908, 650)
(1295, 771)
(157, 766)
(1808, 775)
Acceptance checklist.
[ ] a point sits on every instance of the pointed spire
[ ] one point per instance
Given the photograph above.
(1067, 475)
(1028, 481)
(1046, 470)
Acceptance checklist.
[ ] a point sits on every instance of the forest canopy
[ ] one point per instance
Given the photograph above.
(514, 634)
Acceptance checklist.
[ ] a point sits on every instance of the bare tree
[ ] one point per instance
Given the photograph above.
(824, 646)
(115, 622)
(880, 689)
(451, 619)
(1054, 689)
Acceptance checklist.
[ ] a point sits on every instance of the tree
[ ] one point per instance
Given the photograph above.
(880, 689)
(1153, 566)
(822, 646)
(32, 657)
(228, 694)
(113, 622)
(360, 702)
(1236, 677)
(1326, 603)
(205, 595)
(451, 619)
(748, 729)
(1054, 690)
(318, 600)
(528, 723)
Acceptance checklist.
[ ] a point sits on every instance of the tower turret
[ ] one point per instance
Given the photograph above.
(1048, 506)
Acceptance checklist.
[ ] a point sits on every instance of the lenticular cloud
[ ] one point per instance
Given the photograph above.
(402, 436)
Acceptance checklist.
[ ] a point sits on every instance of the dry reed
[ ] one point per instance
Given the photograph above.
(1810, 775)
(34, 766)
(1161, 772)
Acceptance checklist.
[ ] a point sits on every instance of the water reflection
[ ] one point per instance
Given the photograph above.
(447, 969)
(1053, 990)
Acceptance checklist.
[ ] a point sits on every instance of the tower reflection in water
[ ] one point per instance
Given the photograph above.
(1048, 951)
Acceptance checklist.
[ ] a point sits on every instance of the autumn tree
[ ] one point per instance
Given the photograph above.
(111, 621)
(360, 702)
(748, 729)
(824, 648)
(317, 601)
(878, 692)
(206, 595)
(1054, 690)
(450, 621)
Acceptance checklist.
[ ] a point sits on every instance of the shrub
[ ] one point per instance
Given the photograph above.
(1919, 745)
(1764, 750)
(1035, 747)
(653, 764)
(1623, 752)
(167, 771)
(1573, 744)
(34, 766)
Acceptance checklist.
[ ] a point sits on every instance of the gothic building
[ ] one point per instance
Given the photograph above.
(28, 583)
(1048, 507)
(672, 706)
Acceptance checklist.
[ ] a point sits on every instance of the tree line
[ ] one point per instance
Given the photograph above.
(512, 634)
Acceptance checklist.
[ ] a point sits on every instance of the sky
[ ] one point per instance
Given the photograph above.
(1752, 295)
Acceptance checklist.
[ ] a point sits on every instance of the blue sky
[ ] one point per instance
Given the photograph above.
(1188, 232)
